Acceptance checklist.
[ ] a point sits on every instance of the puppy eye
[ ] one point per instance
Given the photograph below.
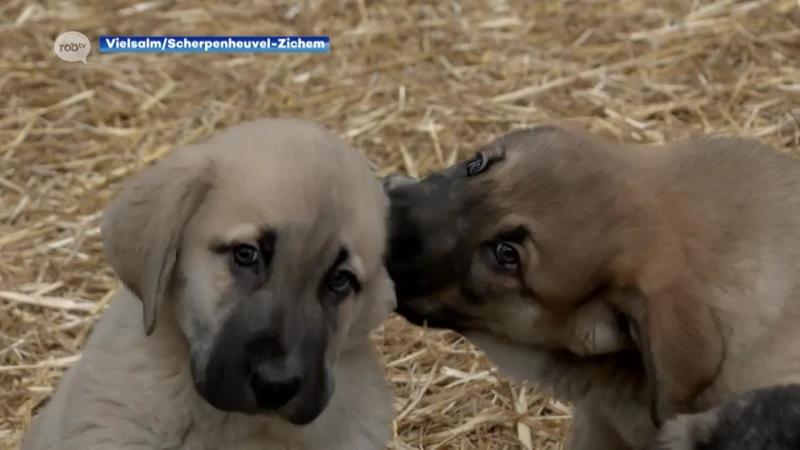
(245, 255)
(341, 282)
(476, 166)
(506, 255)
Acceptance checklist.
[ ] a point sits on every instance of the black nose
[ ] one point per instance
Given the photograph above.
(273, 388)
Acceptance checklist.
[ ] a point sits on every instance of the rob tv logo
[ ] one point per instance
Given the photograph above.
(72, 46)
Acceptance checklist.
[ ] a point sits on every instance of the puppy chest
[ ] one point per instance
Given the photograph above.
(227, 440)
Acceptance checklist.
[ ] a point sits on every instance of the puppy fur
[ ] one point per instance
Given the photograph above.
(760, 419)
(255, 261)
(694, 244)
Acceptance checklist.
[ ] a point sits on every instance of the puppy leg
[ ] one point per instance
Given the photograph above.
(591, 431)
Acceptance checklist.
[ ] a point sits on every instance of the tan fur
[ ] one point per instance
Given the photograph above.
(697, 243)
(133, 387)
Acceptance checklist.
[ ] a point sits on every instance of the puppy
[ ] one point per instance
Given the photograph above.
(761, 419)
(253, 273)
(695, 244)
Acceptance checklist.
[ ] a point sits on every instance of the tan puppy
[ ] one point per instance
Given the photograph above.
(255, 261)
(697, 244)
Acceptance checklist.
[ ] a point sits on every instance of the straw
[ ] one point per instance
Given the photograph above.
(414, 84)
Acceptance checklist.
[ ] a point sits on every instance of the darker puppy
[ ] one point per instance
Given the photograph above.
(694, 244)
(761, 419)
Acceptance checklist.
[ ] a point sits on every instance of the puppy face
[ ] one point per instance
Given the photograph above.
(264, 245)
(520, 242)
(511, 241)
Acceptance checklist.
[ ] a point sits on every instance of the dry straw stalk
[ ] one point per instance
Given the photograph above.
(415, 84)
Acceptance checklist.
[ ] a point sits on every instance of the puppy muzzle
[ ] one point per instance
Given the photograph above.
(428, 252)
(260, 373)
(418, 222)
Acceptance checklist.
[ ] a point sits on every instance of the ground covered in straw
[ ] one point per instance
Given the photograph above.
(414, 84)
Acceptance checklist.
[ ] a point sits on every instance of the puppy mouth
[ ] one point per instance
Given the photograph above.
(228, 387)
(310, 403)
(307, 407)
(298, 408)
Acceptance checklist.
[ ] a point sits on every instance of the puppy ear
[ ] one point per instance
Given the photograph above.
(141, 228)
(679, 338)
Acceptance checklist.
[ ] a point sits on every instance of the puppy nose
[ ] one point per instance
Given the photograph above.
(273, 388)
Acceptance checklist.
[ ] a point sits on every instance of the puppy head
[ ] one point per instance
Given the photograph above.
(511, 241)
(264, 247)
(519, 239)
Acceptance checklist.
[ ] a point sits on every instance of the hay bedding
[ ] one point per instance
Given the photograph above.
(416, 85)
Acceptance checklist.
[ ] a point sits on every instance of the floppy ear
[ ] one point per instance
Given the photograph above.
(141, 228)
(679, 338)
